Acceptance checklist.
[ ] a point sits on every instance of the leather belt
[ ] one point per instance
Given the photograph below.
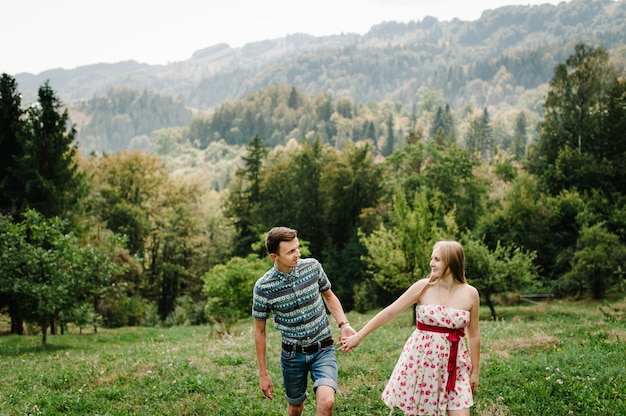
(316, 346)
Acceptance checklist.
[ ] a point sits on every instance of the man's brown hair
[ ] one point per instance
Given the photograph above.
(276, 235)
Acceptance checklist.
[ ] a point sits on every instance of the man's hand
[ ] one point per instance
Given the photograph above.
(346, 332)
(266, 386)
(350, 343)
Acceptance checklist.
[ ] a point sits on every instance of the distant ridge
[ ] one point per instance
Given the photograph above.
(389, 63)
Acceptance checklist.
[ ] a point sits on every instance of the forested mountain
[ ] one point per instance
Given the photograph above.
(501, 61)
(126, 118)
(390, 62)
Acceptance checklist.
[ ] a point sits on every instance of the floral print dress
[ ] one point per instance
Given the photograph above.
(419, 382)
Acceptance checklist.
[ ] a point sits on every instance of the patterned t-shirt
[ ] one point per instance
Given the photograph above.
(296, 302)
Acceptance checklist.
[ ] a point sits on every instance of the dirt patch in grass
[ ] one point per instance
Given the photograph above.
(617, 335)
(536, 340)
(491, 408)
(105, 379)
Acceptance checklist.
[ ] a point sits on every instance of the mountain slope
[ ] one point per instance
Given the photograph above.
(391, 62)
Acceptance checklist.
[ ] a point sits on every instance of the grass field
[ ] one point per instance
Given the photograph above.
(549, 359)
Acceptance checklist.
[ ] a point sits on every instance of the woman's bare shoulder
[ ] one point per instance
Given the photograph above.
(470, 292)
(417, 287)
(471, 289)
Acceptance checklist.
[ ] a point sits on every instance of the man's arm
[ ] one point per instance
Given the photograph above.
(260, 345)
(334, 306)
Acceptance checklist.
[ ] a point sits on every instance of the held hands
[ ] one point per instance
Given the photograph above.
(346, 331)
(350, 342)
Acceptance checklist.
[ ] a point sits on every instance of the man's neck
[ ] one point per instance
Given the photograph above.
(283, 268)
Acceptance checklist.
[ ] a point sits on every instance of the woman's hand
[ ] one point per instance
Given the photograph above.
(349, 343)
(474, 381)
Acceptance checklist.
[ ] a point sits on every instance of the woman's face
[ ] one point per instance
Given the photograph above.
(436, 264)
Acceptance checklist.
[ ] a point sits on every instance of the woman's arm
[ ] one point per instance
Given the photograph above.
(408, 298)
(473, 339)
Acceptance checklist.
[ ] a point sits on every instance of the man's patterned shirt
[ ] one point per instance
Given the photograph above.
(296, 302)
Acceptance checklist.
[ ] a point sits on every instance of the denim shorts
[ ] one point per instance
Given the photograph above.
(322, 365)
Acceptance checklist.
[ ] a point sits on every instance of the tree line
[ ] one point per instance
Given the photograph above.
(545, 216)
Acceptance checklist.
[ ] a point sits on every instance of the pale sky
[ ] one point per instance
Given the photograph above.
(36, 35)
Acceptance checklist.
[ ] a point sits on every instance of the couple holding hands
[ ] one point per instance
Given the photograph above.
(437, 371)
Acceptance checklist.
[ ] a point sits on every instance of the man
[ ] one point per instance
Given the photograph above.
(296, 291)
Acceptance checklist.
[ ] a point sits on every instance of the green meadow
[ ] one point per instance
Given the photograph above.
(553, 358)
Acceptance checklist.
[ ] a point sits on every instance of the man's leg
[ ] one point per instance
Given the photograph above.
(325, 400)
(324, 374)
(295, 410)
(295, 370)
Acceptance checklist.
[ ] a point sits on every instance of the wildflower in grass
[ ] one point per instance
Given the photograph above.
(36, 411)
(548, 378)
(559, 381)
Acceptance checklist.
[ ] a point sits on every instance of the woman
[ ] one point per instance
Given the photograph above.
(435, 374)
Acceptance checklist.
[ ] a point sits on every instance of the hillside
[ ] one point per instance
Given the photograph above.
(501, 61)
(378, 65)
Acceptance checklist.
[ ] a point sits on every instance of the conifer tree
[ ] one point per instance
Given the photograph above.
(442, 128)
(479, 139)
(51, 181)
(11, 135)
(520, 137)
(390, 139)
(245, 195)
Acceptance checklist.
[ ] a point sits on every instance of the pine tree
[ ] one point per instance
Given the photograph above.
(52, 182)
(442, 129)
(480, 137)
(245, 195)
(390, 139)
(11, 136)
(520, 137)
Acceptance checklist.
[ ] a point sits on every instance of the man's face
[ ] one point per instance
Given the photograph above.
(288, 255)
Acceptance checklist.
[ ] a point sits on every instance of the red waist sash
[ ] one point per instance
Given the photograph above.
(454, 335)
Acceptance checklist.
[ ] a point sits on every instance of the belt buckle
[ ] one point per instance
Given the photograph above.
(316, 346)
(311, 347)
(290, 347)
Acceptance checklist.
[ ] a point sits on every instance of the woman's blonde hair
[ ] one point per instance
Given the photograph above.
(453, 257)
